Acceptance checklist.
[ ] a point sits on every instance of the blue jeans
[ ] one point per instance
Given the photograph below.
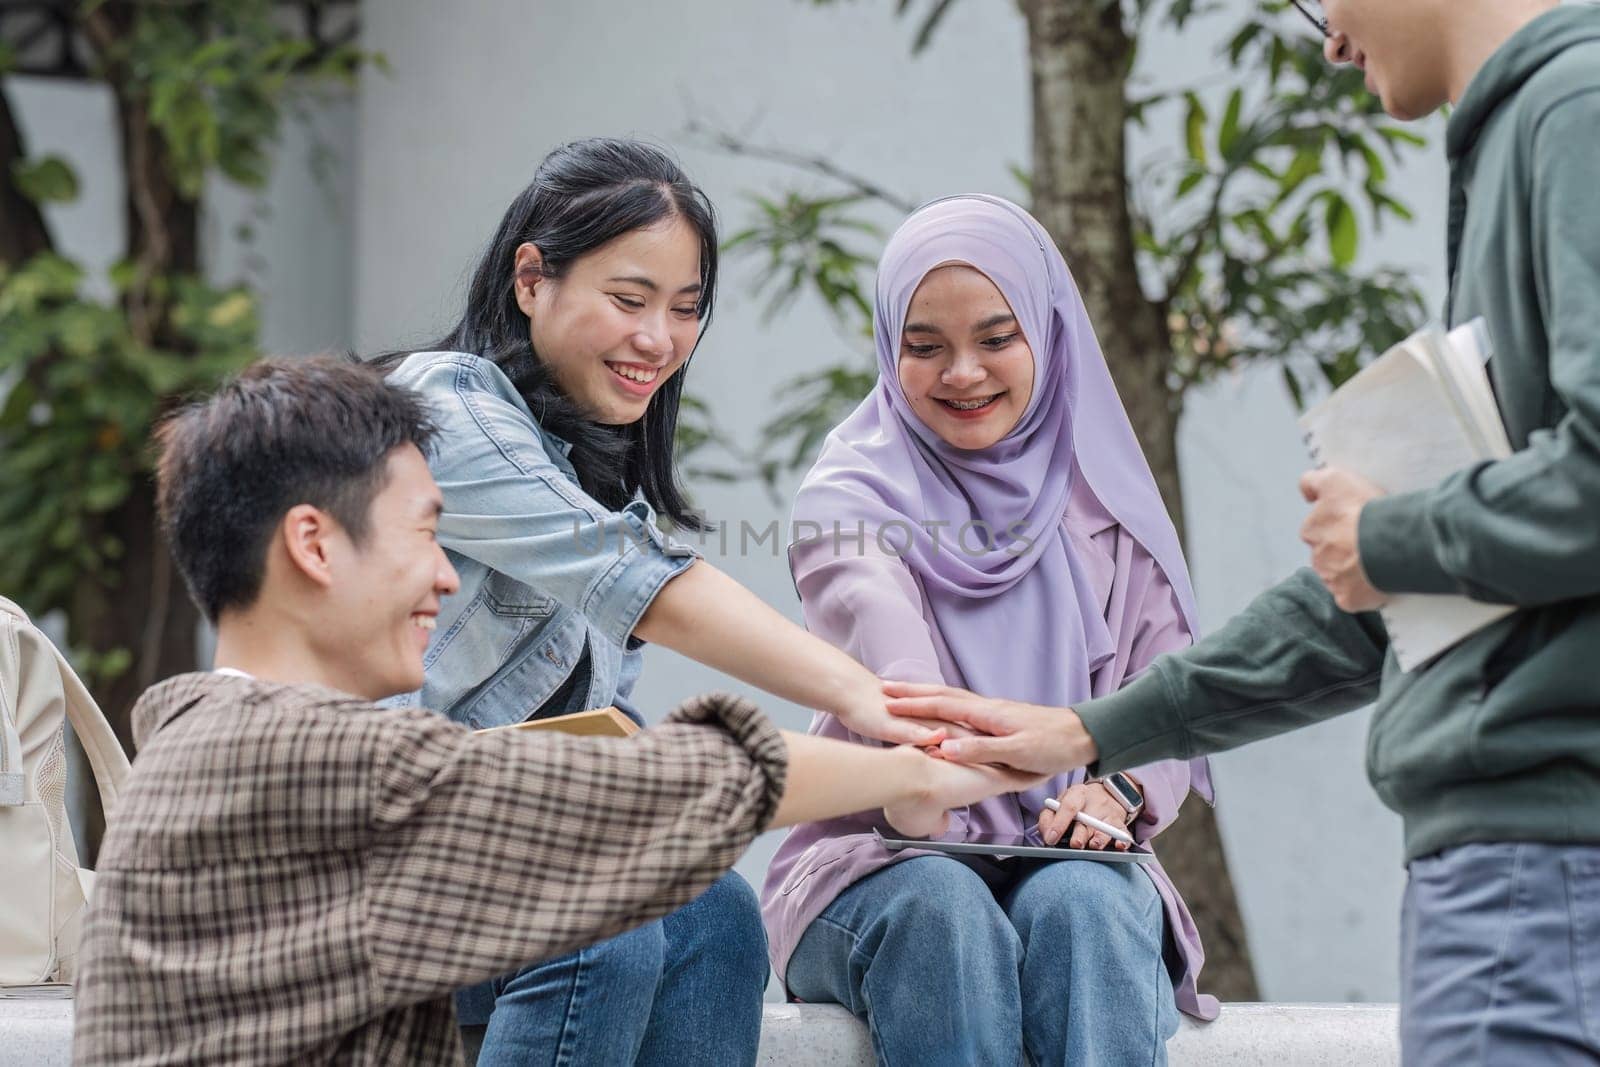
(1061, 959)
(684, 989)
(1500, 956)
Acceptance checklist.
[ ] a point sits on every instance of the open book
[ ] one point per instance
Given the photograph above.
(598, 722)
(1418, 414)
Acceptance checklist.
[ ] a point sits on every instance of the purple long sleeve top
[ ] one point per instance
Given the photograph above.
(872, 606)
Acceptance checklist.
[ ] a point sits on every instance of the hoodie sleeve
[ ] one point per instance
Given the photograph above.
(1523, 530)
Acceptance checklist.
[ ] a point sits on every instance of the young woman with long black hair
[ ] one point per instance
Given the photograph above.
(557, 394)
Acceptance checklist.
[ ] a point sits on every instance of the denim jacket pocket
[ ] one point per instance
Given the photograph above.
(510, 598)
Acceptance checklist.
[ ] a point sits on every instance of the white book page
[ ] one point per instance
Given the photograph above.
(1466, 357)
(1395, 425)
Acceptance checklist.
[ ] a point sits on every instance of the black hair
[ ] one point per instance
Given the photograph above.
(282, 433)
(583, 195)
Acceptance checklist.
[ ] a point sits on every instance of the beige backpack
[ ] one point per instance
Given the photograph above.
(44, 890)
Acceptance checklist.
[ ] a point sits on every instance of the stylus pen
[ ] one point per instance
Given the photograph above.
(1093, 823)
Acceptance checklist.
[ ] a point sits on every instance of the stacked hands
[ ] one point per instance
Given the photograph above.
(1018, 744)
(988, 746)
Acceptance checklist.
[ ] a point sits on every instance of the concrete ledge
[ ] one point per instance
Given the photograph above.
(1247, 1035)
(38, 1033)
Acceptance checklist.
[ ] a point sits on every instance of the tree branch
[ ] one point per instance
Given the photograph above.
(1191, 256)
(734, 145)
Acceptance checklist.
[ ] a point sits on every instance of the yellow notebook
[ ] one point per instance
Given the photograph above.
(597, 722)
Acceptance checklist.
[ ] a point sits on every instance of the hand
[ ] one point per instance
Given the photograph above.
(1336, 498)
(1027, 737)
(939, 785)
(865, 711)
(1091, 798)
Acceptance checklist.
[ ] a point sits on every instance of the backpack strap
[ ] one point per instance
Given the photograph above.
(13, 783)
(100, 744)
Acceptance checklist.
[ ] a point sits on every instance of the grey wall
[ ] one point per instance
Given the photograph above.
(478, 96)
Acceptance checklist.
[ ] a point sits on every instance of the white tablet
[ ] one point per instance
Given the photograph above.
(999, 845)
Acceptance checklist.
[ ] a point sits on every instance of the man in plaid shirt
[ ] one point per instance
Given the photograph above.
(295, 875)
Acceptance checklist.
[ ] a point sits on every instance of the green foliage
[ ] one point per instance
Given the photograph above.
(1246, 237)
(1256, 245)
(45, 181)
(83, 396)
(215, 76)
(806, 244)
(88, 366)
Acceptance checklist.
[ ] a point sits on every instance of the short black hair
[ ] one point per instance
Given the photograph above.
(283, 432)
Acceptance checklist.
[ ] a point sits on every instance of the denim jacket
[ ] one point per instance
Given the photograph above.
(545, 569)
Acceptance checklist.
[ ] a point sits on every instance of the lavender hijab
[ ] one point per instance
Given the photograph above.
(1019, 617)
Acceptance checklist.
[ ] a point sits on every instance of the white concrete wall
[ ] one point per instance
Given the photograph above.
(479, 95)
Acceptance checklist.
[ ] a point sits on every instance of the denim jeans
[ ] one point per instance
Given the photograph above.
(1500, 956)
(684, 989)
(1061, 959)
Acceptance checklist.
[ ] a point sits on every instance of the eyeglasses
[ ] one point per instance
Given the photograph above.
(1312, 10)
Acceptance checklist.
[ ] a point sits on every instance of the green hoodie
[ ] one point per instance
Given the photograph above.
(1498, 739)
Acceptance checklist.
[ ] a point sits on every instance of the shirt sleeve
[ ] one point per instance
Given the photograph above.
(870, 606)
(1522, 530)
(494, 850)
(1159, 628)
(508, 506)
(1289, 659)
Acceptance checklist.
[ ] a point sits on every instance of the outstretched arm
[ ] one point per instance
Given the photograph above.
(1291, 658)
(707, 616)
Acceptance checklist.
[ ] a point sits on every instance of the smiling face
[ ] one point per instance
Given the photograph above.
(1400, 46)
(965, 367)
(619, 321)
(381, 595)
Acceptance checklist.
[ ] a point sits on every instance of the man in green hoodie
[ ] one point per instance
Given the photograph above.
(1491, 752)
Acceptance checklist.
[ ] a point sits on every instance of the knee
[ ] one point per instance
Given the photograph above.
(724, 923)
(952, 917)
(1104, 900)
(631, 960)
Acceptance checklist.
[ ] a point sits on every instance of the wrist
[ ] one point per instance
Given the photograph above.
(847, 686)
(1124, 791)
(1078, 745)
(909, 776)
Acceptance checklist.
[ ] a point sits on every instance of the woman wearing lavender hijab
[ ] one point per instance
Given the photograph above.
(986, 519)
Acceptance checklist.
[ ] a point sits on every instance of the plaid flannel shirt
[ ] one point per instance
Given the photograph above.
(294, 876)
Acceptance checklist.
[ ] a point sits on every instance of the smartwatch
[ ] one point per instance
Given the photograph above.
(1126, 793)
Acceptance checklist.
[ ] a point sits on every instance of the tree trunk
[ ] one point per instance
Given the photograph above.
(1079, 56)
(23, 233)
(143, 607)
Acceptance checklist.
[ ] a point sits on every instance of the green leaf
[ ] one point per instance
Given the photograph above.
(1398, 136)
(1195, 128)
(45, 181)
(1242, 40)
(1229, 134)
(1343, 235)
(1292, 382)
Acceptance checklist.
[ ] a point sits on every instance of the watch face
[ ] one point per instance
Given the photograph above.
(1126, 790)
